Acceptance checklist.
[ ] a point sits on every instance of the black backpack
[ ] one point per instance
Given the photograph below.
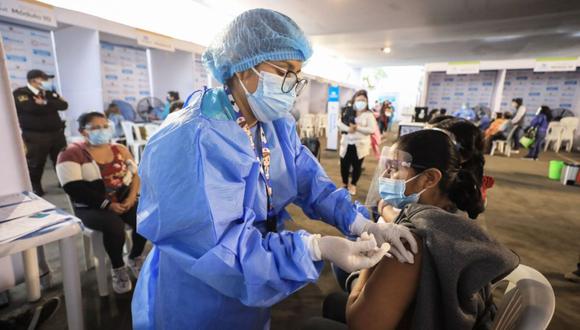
(313, 144)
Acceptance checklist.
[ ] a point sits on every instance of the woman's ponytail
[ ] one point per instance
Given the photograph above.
(465, 192)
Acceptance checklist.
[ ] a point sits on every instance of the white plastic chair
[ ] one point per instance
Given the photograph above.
(135, 141)
(553, 135)
(321, 124)
(569, 127)
(504, 146)
(95, 255)
(307, 125)
(151, 129)
(528, 301)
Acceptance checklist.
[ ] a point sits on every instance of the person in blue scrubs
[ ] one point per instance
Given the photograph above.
(216, 179)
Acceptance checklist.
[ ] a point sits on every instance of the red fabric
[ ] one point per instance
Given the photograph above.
(113, 173)
(487, 183)
(375, 142)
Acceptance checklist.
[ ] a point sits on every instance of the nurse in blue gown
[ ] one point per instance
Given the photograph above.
(216, 179)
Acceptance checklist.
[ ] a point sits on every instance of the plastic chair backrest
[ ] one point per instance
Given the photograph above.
(512, 132)
(322, 120)
(528, 303)
(307, 120)
(138, 133)
(128, 130)
(569, 123)
(150, 129)
(554, 129)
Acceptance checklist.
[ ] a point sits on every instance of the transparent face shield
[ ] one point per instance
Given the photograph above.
(108, 126)
(393, 164)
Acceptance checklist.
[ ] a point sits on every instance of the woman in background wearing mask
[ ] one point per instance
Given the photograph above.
(356, 144)
(102, 182)
(216, 179)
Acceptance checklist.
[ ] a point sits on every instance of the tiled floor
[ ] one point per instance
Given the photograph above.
(537, 218)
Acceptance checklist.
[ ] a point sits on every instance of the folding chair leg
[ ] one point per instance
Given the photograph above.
(493, 147)
(89, 256)
(101, 263)
(128, 241)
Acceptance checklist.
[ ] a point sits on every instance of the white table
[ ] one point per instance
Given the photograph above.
(65, 235)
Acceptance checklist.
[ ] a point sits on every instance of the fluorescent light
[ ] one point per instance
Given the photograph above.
(386, 50)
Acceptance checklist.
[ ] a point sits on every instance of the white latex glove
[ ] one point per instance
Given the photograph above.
(347, 255)
(390, 233)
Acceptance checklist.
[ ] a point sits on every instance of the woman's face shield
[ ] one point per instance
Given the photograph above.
(393, 164)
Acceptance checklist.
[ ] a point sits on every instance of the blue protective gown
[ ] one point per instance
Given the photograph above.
(213, 266)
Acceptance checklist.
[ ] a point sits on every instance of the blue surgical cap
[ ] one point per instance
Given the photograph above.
(255, 36)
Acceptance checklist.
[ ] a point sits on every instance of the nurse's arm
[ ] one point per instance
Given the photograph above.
(317, 195)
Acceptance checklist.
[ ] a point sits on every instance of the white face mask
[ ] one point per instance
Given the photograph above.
(360, 105)
(47, 85)
(269, 102)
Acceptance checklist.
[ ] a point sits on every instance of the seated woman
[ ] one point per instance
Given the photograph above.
(102, 182)
(448, 285)
(469, 140)
(499, 129)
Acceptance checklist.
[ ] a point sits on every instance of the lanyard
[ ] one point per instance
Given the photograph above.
(263, 157)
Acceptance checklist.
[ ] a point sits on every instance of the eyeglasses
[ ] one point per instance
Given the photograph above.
(291, 80)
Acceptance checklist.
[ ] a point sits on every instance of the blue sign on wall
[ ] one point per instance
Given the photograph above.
(333, 93)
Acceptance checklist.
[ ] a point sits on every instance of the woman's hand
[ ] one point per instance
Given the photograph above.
(387, 211)
(129, 202)
(117, 208)
(352, 128)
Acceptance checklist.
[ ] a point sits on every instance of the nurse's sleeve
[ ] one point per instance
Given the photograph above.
(318, 196)
(192, 207)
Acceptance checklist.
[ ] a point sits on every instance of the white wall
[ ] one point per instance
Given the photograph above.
(303, 101)
(171, 71)
(13, 169)
(78, 54)
(318, 97)
(344, 95)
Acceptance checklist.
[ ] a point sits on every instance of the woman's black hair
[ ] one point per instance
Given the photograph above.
(175, 105)
(518, 100)
(470, 143)
(174, 95)
(435, 149)
(87, 117)
(545, 110)
(438, 119)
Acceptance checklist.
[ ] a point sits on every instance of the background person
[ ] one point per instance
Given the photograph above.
(355, 145)
(37, 105)
(101, 180)
(170, 103)
(499, 129)
(175, 106)
(574, 276)
(114, 115)
(518, 118)
(540, 125)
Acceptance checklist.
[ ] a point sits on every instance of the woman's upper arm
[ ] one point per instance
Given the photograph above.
(387, 295)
